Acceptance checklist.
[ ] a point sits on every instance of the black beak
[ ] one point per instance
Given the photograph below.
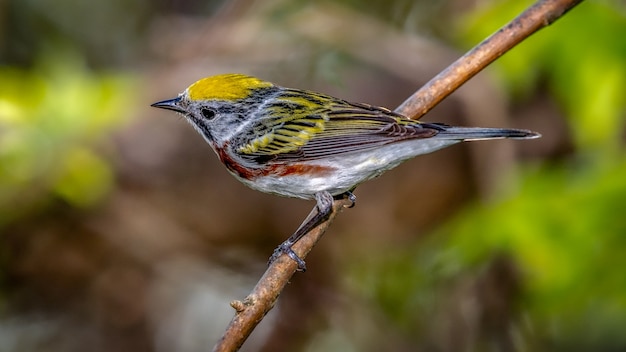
(171, 104)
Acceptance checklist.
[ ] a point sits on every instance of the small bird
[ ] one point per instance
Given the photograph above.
(303, 144)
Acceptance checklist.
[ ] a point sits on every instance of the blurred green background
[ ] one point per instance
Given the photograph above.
(121, 231)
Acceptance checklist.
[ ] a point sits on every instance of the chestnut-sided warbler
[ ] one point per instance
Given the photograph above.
(303, 144)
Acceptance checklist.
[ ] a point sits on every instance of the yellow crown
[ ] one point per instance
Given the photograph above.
(230, 87)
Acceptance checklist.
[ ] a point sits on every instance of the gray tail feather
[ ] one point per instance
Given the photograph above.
(478, 133)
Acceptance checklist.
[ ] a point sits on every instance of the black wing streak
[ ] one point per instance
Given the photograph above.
(383, 128)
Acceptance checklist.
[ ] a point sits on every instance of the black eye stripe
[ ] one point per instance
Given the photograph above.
(207, 113)
(229, 109)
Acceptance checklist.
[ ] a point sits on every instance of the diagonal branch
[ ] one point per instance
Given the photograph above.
(540, 15)
(253, 308)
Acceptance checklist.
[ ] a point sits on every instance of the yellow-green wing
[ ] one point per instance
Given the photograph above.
(300, 125)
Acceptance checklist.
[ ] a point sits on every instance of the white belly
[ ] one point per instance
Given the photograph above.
(347, 170)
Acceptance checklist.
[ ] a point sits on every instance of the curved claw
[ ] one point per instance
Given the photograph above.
(351, 197)
(285, 248)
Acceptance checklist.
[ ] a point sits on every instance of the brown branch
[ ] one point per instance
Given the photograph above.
(253, 308)
(540, 15)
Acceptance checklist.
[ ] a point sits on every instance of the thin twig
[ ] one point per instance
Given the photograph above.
(540, 15)
(253, 308)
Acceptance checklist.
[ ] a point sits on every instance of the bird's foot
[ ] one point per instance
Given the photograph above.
(285, 248)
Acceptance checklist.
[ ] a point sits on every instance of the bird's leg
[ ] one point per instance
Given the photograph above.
(324, 208)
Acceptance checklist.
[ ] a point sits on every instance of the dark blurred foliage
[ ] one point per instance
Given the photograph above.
(120, 231)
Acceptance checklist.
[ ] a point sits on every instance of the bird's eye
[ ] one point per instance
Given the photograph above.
(207, 113)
